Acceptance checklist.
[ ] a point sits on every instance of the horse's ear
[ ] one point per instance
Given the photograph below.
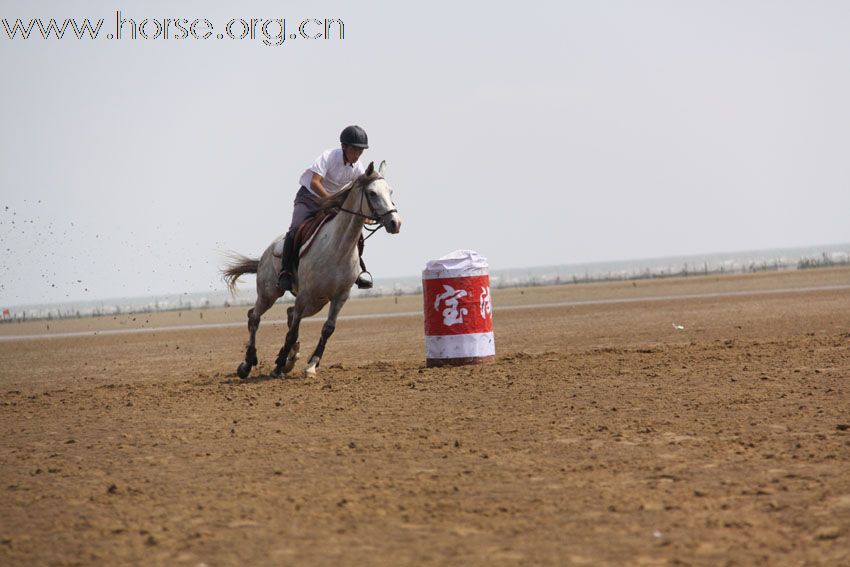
(371, 169)
(382, 169)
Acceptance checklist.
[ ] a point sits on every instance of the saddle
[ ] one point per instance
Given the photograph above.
(306, 232)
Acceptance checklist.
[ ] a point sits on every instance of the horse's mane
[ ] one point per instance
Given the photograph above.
(336, 200)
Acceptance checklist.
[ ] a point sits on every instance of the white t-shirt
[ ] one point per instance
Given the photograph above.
(335, 172)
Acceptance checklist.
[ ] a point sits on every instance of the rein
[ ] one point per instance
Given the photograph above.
(373, 217)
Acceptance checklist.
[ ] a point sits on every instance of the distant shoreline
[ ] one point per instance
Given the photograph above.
(500, 279)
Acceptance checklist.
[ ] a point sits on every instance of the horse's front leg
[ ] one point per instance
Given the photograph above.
(289, 352)
(327, 331)
(245, 367)
(254, 315)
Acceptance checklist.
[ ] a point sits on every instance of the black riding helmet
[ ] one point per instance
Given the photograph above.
(354, 136)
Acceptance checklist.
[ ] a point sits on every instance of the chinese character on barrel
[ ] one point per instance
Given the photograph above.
(458, 310)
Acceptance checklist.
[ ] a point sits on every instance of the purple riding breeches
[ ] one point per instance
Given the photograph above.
(305, 204)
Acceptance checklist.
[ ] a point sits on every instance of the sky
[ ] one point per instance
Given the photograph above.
(535, 133)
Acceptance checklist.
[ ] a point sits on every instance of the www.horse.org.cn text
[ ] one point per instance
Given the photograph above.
(268, 31)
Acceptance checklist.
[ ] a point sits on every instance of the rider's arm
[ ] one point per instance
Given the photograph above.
(317, 187)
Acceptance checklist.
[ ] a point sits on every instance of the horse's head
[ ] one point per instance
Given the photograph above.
(379, 198)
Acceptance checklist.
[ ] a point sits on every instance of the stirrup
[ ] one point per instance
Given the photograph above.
(362, 282)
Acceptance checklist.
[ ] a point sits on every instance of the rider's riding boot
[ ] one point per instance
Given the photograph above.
(284, 282)
(362, 281)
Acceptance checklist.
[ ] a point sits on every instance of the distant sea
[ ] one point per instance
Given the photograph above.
(726, 262)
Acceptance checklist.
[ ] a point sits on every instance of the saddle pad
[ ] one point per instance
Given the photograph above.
(277, 251)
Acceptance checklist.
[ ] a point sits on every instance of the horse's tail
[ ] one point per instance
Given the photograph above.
(237, 266)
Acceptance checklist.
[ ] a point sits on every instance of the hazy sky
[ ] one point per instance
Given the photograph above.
(535, 133)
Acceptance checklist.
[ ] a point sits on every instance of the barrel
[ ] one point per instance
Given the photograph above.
(458, 310)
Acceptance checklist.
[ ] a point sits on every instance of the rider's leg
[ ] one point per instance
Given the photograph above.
(305, 204)
(287, 270)
(362, 281)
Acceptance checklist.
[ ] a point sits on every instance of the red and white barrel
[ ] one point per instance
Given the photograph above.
(458, 310)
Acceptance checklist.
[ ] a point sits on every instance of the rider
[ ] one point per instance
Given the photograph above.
(328, 174)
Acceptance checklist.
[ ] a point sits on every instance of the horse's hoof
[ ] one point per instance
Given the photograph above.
(290, 360)
(310, 371)
(244, 370)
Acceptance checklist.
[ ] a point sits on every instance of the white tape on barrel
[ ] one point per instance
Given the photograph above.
(473, 345)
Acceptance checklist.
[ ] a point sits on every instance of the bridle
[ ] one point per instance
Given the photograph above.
(379, 218)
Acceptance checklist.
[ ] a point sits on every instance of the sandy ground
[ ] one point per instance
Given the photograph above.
(601, 435)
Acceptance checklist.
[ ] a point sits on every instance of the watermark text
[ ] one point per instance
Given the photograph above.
(269, 31)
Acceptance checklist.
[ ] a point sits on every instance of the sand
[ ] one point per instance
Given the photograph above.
(603, 434)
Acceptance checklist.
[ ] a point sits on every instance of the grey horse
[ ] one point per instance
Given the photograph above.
(325, 273)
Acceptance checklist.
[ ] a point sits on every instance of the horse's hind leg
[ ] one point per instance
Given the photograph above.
(293, 353)
(289, 352)
(327, 331)
(254, 314)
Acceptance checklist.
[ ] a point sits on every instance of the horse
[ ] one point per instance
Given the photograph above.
(325, 273)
